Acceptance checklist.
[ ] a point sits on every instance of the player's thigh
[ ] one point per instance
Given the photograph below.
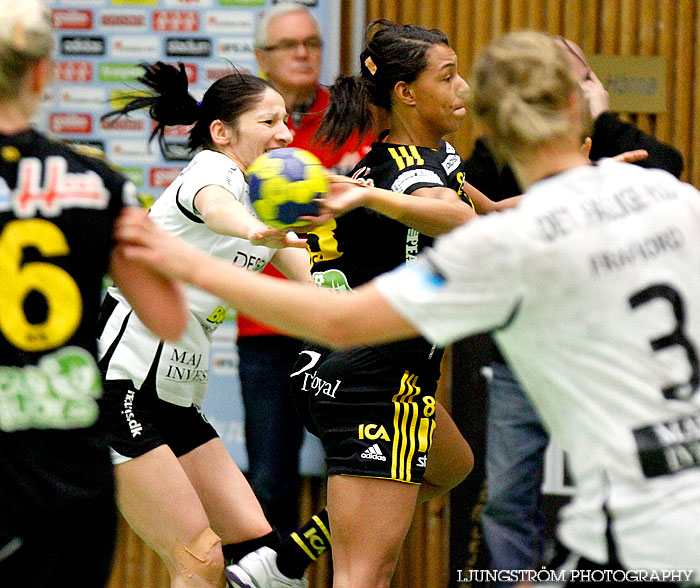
(157, 499)
(450, 458)
(369, 521)
(231, 506)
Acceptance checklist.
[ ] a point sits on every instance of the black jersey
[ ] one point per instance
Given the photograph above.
(57, 211)
(363, 244)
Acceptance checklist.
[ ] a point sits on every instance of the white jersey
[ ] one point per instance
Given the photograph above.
(591, 288)
(182, 367)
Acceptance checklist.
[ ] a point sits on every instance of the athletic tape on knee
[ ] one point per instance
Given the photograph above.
(197, 559)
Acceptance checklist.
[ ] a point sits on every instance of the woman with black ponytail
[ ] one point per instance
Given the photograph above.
(388, 442)
(177, 486)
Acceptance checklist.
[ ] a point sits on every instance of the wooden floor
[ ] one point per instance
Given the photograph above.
(423, 562)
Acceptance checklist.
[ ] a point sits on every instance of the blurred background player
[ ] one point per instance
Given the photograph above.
(288, 47)
(600, 322)
(513, 521)
(57, 211)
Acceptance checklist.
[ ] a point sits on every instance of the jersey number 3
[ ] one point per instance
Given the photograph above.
(18, 280)
(677, 337)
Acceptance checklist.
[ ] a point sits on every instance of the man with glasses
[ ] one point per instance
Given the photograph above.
(513, 522)
(288, 48)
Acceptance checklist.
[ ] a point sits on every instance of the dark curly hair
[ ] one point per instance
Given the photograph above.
(393, 53)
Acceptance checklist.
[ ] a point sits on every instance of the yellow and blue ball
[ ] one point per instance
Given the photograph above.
(286, 184)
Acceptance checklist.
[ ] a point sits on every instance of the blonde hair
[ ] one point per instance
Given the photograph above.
(521, 87)
(25, 38)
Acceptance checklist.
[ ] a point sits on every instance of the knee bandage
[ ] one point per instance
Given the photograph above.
(197, 559)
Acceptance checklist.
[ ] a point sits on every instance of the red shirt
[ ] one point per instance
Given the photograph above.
(340, 161)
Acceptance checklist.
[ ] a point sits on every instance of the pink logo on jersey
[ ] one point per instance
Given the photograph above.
(61, 189)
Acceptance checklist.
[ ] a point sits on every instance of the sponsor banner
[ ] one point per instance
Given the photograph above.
(123, 20)
(132, 151)
(144, 2)
(180, 21)
(133, 123)
(99, 45)
(188, 46)
(214, 70)
(144, 47)
(176, 132)
(72, 19)
(188, 3)
(70, 96)
(229, 21)
(94, 148)
(162, 177)
(70, 123)
(73, 71)
(242, 2)
(134, 174)
(119, 72)
(82, 45)
(237, 49)
(84, 3)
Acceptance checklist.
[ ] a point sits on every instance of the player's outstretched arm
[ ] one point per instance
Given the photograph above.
(159, 300)
(318, 314)
(225, 215)
(432, 211)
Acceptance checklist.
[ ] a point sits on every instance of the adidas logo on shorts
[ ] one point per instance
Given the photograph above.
(373, 453)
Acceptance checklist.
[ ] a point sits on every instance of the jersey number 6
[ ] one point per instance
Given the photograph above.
(59, 290)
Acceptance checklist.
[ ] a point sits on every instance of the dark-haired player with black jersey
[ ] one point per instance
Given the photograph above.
(57, 211)
(388, 442)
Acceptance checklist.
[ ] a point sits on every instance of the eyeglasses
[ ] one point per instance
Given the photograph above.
(288, 45)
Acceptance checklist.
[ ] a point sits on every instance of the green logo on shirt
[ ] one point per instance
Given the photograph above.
(58, 393)
(333, 279)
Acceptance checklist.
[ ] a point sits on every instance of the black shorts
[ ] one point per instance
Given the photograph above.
(372, 407)
(138, 421)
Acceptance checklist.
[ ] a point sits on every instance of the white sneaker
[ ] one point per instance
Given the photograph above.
(258, 569)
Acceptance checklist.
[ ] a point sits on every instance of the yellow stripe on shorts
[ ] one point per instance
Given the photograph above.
(405, 419)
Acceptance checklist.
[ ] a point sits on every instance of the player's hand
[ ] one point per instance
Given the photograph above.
(596, 94)
(632, 156)
(275, 238)
(344, 194)
(139, 239)
(586, 147)
(626, 157)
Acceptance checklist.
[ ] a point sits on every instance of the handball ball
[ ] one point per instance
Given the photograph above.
(284, 185)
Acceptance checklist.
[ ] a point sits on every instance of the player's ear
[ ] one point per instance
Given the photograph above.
(404, 92)
(221, 133)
